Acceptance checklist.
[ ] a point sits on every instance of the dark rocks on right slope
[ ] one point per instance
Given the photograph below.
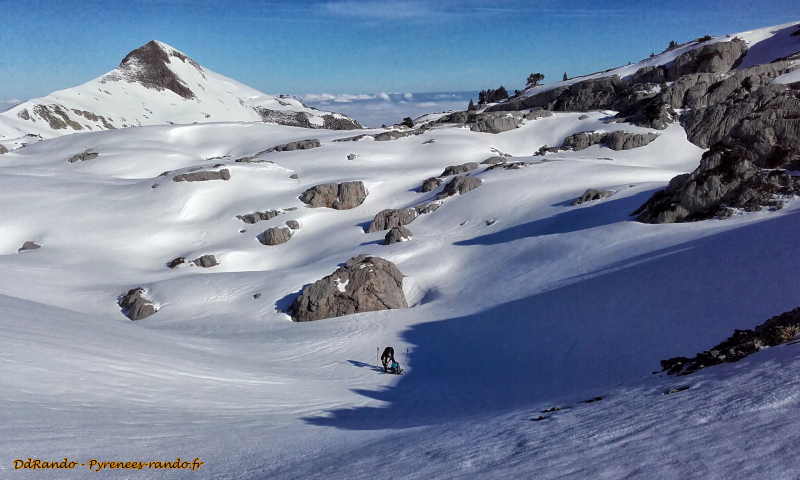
(135, 305)
(460, 186)
(363, 284)
(457, 169)
(717, 57)
(339, 196)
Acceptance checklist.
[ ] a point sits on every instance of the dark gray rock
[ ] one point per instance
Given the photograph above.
(205, 261)
(582, 140)
(258, 216)
(363, 284)
(427, 207)
(176, 262)
(429, 142)
(276, 236)
(537, 113)
(494, 160)
(457, 169)
(396, 235)
(293, 224)
(291, 146)
(717, 57)
(87, 154)
(3, 149)
(390, 218)
(583, 117)
(352, 156)
(545, 149)
(223, 174)
(339, 196)
(135, 305)
(496, 122)
(591, 195)
(147, 65)
(460, 186)
(392, 135)
(30, 246)
(294, 176)
(332, 122)
(617, 140)
(430, 184)
(253, 159)
(654, 74)
(352, 139)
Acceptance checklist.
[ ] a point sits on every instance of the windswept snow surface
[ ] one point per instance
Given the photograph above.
(550, 305)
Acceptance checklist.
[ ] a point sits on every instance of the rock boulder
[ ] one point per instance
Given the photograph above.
(135, 305)
(339, 196)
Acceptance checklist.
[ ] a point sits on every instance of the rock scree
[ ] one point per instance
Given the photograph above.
(364, 284)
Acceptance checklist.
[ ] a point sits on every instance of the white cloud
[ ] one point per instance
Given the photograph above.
(13, 101)
(381, 9)
(408, 96)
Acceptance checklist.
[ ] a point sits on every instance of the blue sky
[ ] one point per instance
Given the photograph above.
(358, 46)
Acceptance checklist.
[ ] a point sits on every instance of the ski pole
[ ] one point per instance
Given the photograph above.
(406, 358)
(377, 357)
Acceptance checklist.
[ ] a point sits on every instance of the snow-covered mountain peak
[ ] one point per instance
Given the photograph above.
(157, 84)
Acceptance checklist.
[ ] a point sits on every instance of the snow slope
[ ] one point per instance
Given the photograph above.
(121, 98)
(519, 302)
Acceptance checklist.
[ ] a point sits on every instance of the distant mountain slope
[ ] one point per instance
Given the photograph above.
(157, 84)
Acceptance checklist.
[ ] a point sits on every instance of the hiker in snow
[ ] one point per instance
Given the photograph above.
(387, 358)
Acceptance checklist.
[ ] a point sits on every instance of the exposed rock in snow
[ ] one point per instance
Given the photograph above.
(392, 135)
(430, 184)
(291, 146)
(135, 305)
(390, 218)
(460, 185)
(147, 65)
(616, 140)
(28, 245)
(176, 262)
(87, 154)
(717, 57)
(367, 284)
(537, 113)
(3, 150)
(775, 331)
(591, 195)
(494, 160)
(397, 234)
(496, 122)
(352, 156)
(339, 196)
(276, 236)
(457, 169)
(205, 176)
(258, 216)
(205, 261)
(293, 224)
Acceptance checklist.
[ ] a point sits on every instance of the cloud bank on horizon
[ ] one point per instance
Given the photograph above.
(374, 110)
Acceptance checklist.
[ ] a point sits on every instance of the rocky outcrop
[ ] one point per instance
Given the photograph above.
(275, 236)
(88, 154)
(591, 195)
(205, 261)
(339, 122)
(135, 305)
(392, 135)
(494, 160)
(256, 217)
(176, 262)
(460, 186)
(775, 331)
(756, 144)
(147, 65)
(291, 146)
(363, 284)
(537, 113)
(617, 140)
(204, 176)
(431, 184)
(293, 224)
(458, 169)
(390, 218)
(717, 57)
(29, 246)
(3, 150)
(339, 196)
(496, 122)
(397, 235)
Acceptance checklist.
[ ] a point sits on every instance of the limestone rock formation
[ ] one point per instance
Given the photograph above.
(28, 245)
(291, 146)
(390, 218)
(396, 235)
(457, 169)
(3, 149)
(276, 235)
(204, 176)
(713, 58)
(339, 196)
(496, 122)
(460, 186)
(87, 154)
(256, 217)
(494, 160)
(293, 224)
(591, 195)
(363, 284)
(430, 184)
(616, 140)
(135, 305)
(205, 261)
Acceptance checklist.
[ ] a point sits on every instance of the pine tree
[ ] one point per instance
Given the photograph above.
(565, 76)
(471, 106)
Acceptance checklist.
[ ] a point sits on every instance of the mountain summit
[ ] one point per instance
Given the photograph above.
(155, 85)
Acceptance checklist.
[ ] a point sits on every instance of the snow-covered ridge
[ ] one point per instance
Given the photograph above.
(157, 85)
